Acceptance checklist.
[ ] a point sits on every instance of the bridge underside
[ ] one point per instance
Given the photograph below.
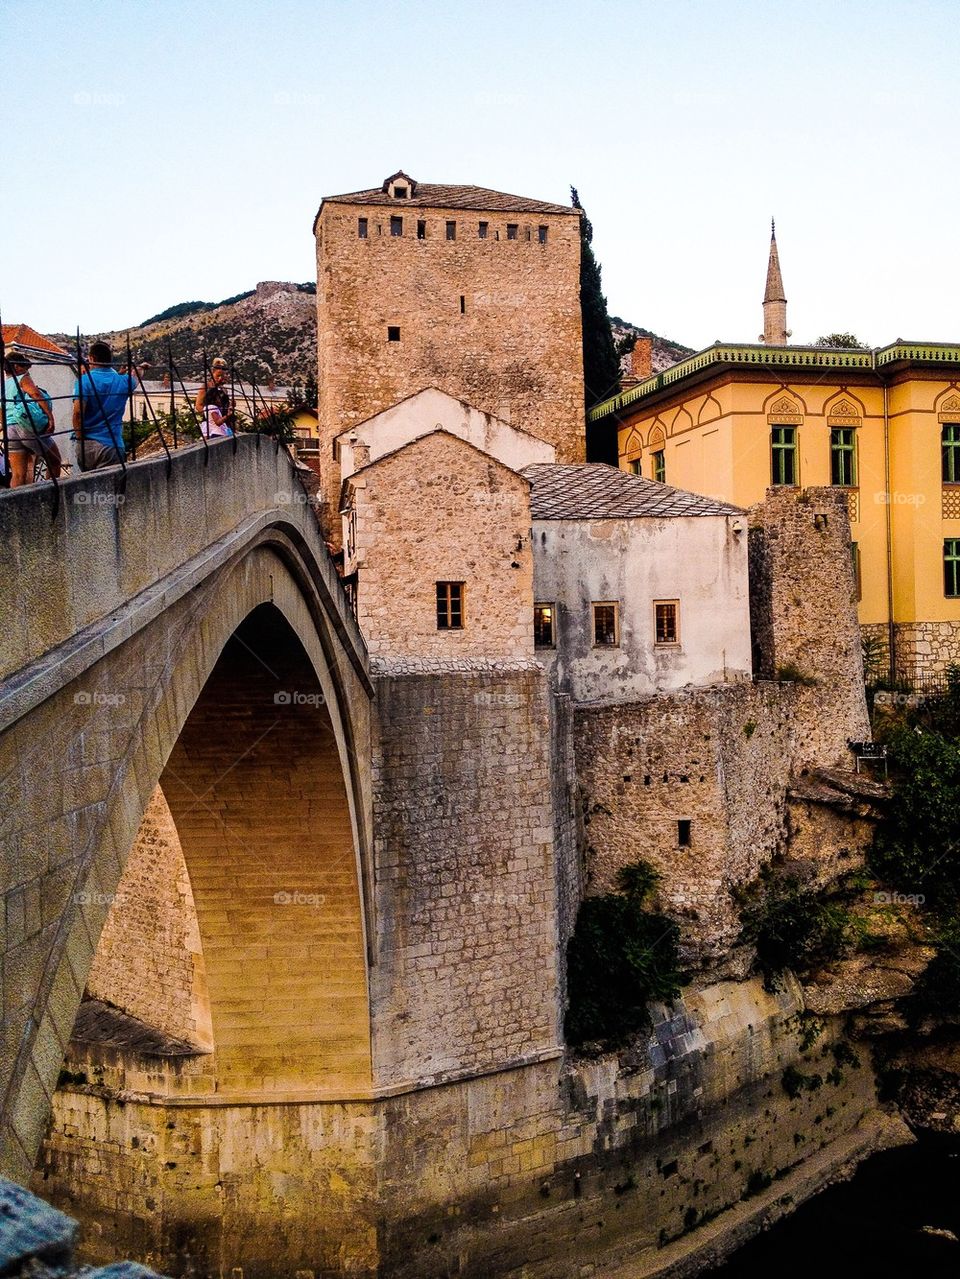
(235, 683)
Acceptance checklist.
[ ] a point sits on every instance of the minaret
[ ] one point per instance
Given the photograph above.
(775, 332)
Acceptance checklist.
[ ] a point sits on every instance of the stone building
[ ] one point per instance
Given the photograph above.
(459, 287)
(880, 426)
(640, 588)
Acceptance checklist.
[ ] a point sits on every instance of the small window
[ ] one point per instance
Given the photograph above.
(451, 230)
(951, 568)
(683, 832)
(482, 230)
(950, 452)
(393, 332)
(396, 226)
(512, 229)
(421, 229)
(526, 233)
(843, 471)
(666, 620)
(362, 228)
(783, 448)
(635, 467)
(855, 556)
(449, 606)
(606, 628)
(543, 625)
(659, 467)
(542, 234)
(400, 193)
(463, 305)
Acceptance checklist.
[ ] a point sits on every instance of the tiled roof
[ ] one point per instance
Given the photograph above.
(21, 335)
(439, 196)
(595, 491)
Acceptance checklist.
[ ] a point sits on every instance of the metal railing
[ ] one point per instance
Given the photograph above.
(164, 427)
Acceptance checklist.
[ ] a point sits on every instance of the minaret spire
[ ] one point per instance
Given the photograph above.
(774, 299)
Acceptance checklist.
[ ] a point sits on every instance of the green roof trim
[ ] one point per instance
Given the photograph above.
(795, 357)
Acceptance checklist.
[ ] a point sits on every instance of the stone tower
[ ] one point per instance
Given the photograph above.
(472, 291)
(775, 332)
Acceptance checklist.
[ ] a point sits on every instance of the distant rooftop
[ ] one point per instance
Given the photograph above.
(24, 338)
(596, 491)
(422, 195)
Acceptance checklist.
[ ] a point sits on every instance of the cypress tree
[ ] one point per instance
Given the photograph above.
(601, 364)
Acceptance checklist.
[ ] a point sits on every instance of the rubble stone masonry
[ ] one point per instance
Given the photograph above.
(440, 510)
(493, 321)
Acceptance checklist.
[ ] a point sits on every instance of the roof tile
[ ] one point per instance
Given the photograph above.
(596, 491)
(440, 196)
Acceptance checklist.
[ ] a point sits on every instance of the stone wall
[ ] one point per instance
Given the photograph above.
(721, 759)
(465, 978)
(803, 610)
(440, 510)
(542, 1170)
(513, 348)
(926, 649)
(149, 961)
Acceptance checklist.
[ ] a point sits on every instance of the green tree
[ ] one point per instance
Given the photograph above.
(601, 364)
(620, 957)
(846, 341)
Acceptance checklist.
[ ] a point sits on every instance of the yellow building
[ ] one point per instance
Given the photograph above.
(883, 424)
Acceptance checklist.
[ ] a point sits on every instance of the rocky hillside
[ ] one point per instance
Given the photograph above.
(268, 333)
(271, 332)
(664, 352)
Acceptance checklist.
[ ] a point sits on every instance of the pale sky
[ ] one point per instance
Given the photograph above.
(154, 153)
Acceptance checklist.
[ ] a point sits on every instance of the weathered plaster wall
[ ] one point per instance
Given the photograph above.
(466, 971)
(429, 410)
(439, 510)
(542, 1168)
(700, 561)
(149, 960)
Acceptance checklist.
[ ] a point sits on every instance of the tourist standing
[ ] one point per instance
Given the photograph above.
(29, 423)
(100, 401)
(213, 403)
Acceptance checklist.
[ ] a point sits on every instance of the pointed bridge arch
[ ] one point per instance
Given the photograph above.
(190, 632)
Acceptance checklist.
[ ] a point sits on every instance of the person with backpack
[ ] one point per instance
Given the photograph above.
(30, 425)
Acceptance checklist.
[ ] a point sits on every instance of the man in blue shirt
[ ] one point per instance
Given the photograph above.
(100, 401)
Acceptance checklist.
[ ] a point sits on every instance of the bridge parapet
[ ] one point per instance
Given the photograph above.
(113, 537)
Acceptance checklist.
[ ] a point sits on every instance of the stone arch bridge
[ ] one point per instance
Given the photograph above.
(186, 630)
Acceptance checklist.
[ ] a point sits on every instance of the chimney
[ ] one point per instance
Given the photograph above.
(641, 359)
(641, 363)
